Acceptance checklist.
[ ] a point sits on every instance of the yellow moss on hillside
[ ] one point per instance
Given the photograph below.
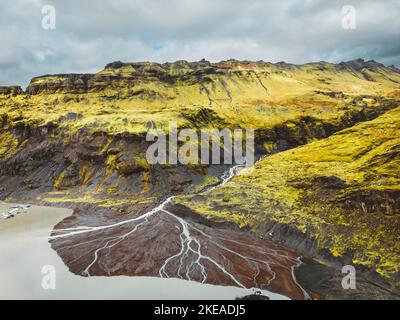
(248, 95)
(8, 144)
(84, 175)
(59, 180)
(321, 189)
(341, 190)
(146, 181)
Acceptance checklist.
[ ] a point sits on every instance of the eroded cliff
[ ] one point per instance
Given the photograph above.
(79, 141)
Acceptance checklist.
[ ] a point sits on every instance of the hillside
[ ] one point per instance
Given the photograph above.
(92, 126)
(330, 190)
(124, 97)
(341, 193)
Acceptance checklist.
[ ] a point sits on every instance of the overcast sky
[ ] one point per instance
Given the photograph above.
(91, 33)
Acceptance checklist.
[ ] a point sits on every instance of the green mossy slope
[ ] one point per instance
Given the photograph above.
(344, 191)
(79, 139)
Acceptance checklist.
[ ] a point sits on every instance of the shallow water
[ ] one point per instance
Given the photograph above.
(24, 250)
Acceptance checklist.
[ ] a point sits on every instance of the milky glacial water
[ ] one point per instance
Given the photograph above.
(24, 251)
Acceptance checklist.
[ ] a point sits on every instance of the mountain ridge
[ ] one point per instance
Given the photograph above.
(190, 67)
(78, 141)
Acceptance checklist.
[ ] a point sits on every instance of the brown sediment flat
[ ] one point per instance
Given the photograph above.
(163, 244)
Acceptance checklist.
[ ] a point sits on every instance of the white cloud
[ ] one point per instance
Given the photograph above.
(92, 33)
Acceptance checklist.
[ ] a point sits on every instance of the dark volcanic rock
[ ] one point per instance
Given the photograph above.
(255, 297)
(11, 90)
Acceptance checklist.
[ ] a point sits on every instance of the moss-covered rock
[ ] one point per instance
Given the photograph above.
(342, 191)
(81, 139)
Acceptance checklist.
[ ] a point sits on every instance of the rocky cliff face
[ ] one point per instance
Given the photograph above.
(79, 140)
(12, 90)
(118, 75)
(92, 126)
(336, 199)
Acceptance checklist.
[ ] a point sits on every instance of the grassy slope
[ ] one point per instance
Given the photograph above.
(248, 95)
(343, 190)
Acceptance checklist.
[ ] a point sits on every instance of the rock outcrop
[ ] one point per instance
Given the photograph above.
(11, 90)
(78, 140)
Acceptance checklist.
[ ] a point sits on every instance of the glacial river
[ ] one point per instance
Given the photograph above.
(25, 250)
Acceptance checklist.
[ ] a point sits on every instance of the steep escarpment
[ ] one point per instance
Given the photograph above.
(124, 97)
(118, 75)
(11, 90)
(83, 134)
(49, 165)
(58, 162)
(78, 140)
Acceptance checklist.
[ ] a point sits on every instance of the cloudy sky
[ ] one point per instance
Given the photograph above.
(91, 33)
